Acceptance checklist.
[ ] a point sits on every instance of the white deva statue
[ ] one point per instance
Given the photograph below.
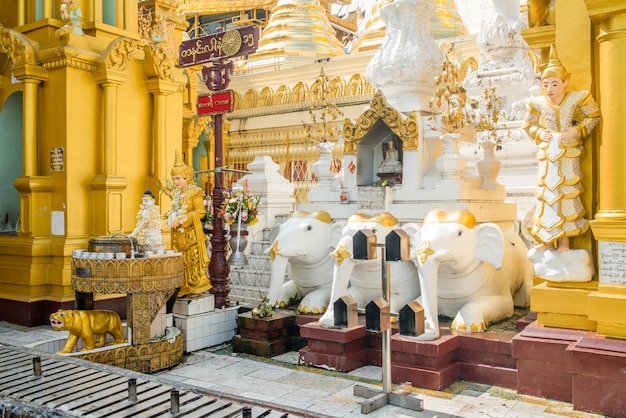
(148, 229)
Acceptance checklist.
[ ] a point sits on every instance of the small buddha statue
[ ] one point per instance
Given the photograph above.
(148, 228)
(391, 164)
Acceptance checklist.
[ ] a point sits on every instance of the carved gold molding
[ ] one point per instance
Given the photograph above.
(301, 92)
(405, 128)
(131, 275)
(19, 48)
(117, 56)
(143, 358)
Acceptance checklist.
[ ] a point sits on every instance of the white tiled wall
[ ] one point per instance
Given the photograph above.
(207, 329)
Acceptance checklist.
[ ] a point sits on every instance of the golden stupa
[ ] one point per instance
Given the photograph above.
(445, 22)
(298, 28)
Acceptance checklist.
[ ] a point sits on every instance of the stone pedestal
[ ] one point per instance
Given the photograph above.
(269, 337)
(341, 349)
(573, 366)
(542, 355)
(597, 365)
(425, 364)
(264, 337)
(485, 357)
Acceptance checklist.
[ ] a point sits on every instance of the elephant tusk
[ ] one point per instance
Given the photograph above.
(341, 253)
(424, 251)
(274, 250)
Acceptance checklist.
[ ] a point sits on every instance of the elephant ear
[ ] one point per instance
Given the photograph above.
(274, 232)
(413, 230)
(336, 230)
(490, 243)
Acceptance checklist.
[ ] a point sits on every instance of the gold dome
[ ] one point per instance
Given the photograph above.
(445, 22)
(298, 27)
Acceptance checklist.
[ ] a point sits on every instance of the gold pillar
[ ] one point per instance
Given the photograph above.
(109, 166)
(607, 305)
(131, 23)
(160, 89)
(35, 191)
(48, 5)
(21, 13)
(107, 185)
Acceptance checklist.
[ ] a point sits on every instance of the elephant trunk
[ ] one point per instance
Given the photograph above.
(341, 278)
(278, 270)
(428, 272)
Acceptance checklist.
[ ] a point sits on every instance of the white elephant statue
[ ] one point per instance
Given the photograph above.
(364, 277)
(304, 243)
(471, 272)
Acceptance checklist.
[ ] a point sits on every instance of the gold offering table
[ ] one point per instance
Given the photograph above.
(148, 283)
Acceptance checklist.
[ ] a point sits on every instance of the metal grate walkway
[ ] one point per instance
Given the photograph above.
(36, 384)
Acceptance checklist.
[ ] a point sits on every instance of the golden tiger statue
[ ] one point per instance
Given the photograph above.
(91, 326)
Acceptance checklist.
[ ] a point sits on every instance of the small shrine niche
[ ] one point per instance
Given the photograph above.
(380, 139)
(379, 156)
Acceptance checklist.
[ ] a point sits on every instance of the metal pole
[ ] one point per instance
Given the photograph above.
(37, 366)
(386, 342)
(132, 390)
(174, 401)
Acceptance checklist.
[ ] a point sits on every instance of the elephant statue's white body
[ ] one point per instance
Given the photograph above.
(304, 243)
(364, 277)
(471, 272)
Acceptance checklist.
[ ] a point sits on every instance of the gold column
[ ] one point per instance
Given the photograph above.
(130, 16)
(21, 13)
(96, 11)
(160, 89)
(109, 165)
(35, 191)
(29, 126)
(607, 305)
(107, 185)
(48, 5)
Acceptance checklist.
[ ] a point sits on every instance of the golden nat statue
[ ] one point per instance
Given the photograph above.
(91, 326)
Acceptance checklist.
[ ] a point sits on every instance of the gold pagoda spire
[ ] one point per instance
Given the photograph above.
(445, 22)
(298, 28)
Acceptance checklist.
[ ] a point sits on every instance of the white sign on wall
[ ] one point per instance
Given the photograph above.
(612, 262)
(58, 222)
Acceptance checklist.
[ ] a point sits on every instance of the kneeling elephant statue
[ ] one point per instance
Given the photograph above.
(364, 276)
(471, 272)
(304, 243)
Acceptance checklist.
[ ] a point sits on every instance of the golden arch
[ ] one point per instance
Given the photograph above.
(405, 128)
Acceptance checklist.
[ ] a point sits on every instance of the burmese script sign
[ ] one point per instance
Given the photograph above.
(229, 44)
(612, 262)
(216, 103)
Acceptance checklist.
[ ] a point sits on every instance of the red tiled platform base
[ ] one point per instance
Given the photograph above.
(541, 361)
(265, 337)
(485, 357)
(598, 368)
(425, 364)
(342, 349)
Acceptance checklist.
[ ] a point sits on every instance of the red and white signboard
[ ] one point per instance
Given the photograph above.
(216, 103)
